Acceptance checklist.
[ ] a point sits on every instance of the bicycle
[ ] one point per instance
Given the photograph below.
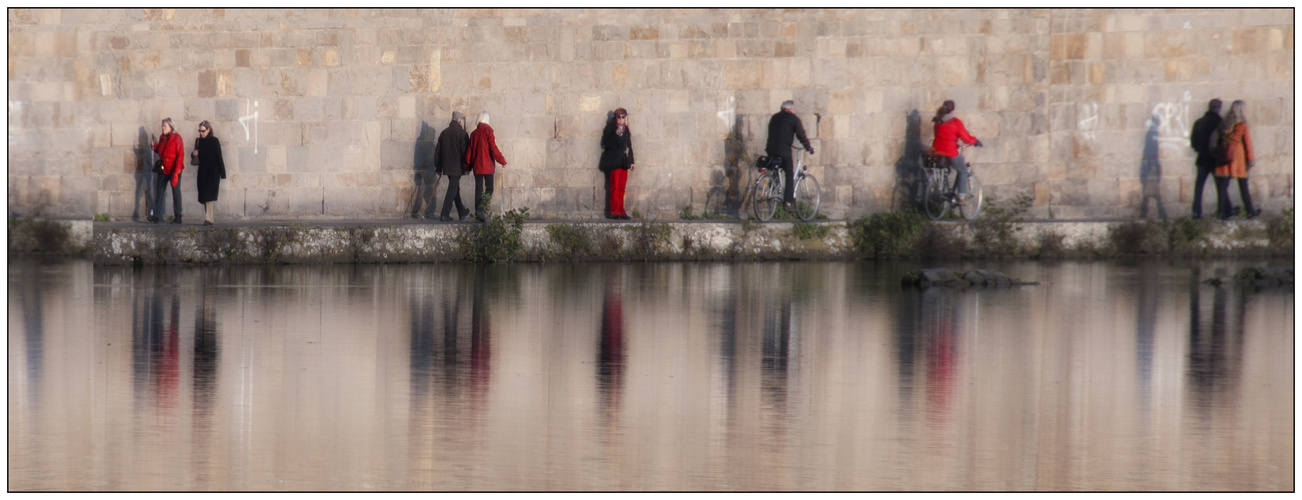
(768, 188)
(939, 195)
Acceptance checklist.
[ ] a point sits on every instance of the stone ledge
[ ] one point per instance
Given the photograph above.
(541, 241)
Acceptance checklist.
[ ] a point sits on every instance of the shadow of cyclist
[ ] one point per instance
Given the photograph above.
(908, 170)
(734, 160)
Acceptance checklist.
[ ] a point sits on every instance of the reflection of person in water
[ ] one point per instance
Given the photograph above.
(168, 359)
(481, 352)
(939, 314)
(1215, 356)
(610, 368)
(775, 352)
(156, 352)
(204, 392)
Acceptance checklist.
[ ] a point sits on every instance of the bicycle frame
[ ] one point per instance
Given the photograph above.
(940, 195)
(770, 189)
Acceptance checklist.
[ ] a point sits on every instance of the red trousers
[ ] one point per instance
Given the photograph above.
(618, 178)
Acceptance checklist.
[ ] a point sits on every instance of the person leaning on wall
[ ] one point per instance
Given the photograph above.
(207, 156)
(616, 161)
(480, 157)
(171, 150)
(450, 158)
(1238, 148)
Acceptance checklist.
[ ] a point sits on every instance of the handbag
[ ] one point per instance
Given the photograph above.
(158, 166)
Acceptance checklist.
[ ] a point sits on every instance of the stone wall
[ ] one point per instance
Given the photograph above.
(325, 113)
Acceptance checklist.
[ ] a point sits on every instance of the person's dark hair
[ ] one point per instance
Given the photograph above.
(205, 124)
(945, 108)
(1214, 106)
(620, 112)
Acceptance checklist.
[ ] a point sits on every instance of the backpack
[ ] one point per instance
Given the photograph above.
(1217, 151)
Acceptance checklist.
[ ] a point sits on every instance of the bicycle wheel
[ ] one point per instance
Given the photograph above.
(935, 199)
(970, 206)
(766, 203)
(807, 197)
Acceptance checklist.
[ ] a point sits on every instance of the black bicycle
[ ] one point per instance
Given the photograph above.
(940, 195)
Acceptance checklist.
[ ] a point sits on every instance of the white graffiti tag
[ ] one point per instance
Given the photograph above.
(1090, 122)
(1172, 122)
(244, 122)
(728, 115)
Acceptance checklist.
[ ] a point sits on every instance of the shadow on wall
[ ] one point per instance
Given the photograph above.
(424, 179)
(1150, 171)
(725, 196)
(908, 169)
(143, 195)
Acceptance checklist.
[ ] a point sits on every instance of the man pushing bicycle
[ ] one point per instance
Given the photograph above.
(784, 128)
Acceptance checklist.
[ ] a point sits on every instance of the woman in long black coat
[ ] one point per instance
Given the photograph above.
(208, 153)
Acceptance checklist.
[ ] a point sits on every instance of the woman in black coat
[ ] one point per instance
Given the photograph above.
(616, 162)
(208, 153)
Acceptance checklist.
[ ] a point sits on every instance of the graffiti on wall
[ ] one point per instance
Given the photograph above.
(1172, 122)
(727, 115)
(250, 117)
(1090, 120)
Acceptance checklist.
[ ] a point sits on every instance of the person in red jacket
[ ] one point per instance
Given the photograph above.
(171, 149)
(480, 157)
(949, 130)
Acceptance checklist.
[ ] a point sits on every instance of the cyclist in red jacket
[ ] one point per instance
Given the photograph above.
(949, 130)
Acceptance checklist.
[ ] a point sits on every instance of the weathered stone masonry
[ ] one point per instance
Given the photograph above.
(322, 112)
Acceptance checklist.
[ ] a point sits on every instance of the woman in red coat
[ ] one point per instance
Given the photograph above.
(480, 157)
(949, 130)
(170, 148)
(1238, 147)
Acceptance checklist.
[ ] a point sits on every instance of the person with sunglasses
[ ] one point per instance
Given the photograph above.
(207, 155)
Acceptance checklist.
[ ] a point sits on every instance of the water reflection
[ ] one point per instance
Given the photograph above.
(203, 392)
(610, 360)
(1215, 349)
(773, 376)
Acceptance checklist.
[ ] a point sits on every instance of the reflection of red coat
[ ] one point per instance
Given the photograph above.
(171, 149)
(948, 133)
(483, 150)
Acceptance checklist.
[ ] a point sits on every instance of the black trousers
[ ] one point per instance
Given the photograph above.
(1200, 181)
(483, 185)
(453, 195)
(161, 183)
(1223, 206)
(789, 175)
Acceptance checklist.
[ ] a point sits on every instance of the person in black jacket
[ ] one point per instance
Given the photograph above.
(784, 128)
(450, 159)
(1202, 130)
(207, 153)
(616, 162)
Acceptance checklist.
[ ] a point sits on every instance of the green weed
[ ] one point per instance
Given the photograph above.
(497, 239)
(887, 234)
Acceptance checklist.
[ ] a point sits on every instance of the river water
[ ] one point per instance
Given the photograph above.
(755, 376)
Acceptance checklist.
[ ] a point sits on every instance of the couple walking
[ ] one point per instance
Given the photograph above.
(459, 154)
(207, 155)
(1224, 151)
